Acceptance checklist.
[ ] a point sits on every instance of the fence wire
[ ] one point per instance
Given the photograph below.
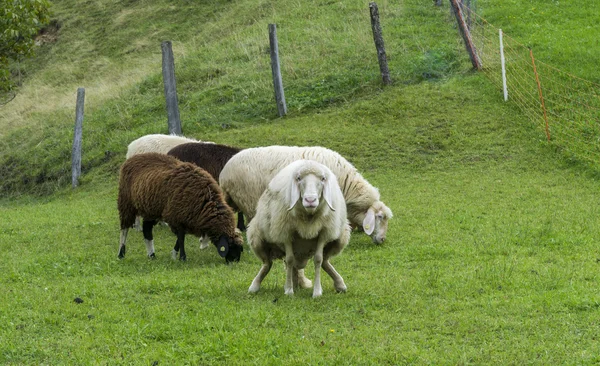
(571, 117)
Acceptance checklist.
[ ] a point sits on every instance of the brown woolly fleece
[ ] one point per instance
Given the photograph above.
(208, 156)
(160, 187)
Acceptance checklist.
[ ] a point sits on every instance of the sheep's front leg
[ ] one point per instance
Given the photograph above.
(262, 273)
(179, 246)
(318, 259)
(289, 261)
(122, 241)
(338, 281)
(147, 226)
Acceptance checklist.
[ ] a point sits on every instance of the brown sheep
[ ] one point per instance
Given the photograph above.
(210, 157)
(160, 187)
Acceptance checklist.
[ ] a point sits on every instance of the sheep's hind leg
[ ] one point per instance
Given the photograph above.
(262, 273)
(318, 259)
(122, 241)
(338, 281)
(147, 226)
(204, 242)
(127, 217)
(289, 261)
(240, 222)
(303, 281)
(300, 279)
(179, 246)
(136, 225)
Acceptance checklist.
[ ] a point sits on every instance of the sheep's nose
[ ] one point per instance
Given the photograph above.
(379, 240)
(310, 200)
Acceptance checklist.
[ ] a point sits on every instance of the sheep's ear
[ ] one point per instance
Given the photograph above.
(369, 222)
(327, 192)
(294, 194)
(223, 246)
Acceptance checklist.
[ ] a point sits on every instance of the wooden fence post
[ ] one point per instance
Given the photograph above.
(466, 34)
(76, 152)
(465, 6)
(276, 71)
(378, 38)
(168, 71)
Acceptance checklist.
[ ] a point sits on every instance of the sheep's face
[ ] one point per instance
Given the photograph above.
(230, 248)
(310, 185)
(375, 223)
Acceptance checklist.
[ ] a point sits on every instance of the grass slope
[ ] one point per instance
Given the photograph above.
(490, 258)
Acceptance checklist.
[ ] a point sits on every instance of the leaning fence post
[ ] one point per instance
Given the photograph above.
(503, 63)
(466, 34)
(168, 71)
(378, 38)
(467, 5)
(77, 136)
(276, 70)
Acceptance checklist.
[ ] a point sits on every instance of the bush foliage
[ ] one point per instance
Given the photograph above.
(20, 21)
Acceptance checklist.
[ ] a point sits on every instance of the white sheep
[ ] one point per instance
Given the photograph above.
(157, 143)
(300, 215)
(247, 174)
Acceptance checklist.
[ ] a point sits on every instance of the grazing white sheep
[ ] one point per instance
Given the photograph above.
(247, 174)
(157, 143)
(300, 215)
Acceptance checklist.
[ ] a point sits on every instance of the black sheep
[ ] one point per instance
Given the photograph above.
(210, 157)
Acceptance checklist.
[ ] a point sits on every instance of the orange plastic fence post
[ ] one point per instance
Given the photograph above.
(537, 79)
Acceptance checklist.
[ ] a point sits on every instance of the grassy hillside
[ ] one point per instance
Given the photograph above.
(491, 255)
(223, 72)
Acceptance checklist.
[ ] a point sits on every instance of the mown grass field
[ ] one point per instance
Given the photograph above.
(491, 257)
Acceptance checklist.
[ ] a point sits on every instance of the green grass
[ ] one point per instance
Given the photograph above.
(490, 258)
(557, 31)
(484, 263)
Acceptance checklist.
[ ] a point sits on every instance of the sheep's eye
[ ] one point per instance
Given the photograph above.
(323, 179)
(380, 216)
(298, 179)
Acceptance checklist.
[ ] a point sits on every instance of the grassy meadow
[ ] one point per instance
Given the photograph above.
(491, 257)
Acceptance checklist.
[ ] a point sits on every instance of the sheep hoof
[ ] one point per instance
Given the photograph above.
(174, 254)
(289, 291)
(317, 294)
(122, 252)
(253, 289)
(183, 258)
(305, 283)
(341, 289)
(152, 256)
